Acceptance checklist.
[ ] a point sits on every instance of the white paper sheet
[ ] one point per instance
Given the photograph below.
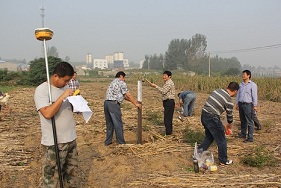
(80, 105)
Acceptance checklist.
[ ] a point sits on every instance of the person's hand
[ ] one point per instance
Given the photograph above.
(153, 85)
(236, 106)
(150, 83)
(138, 105)
(256, 108)
(228, 129)
(181, 102)
(68, 92)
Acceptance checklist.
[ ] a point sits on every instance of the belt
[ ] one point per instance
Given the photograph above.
(114, 101)
(168, 99)
(245, 102)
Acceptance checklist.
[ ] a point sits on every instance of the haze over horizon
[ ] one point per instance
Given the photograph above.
(143, 27)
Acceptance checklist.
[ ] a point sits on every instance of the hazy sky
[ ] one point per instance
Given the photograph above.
(139, 27)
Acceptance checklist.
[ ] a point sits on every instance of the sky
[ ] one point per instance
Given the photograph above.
(140, 27)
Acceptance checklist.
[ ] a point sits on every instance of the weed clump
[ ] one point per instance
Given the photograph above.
(259, 158)
(191, 136)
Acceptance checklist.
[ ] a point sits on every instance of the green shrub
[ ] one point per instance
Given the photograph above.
(259, 158)
(154, 117)
(191, 136)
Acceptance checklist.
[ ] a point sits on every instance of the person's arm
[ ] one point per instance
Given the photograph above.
(166, 87)
(255, 96)
(130, 98)
(49, 111)
(180, 99)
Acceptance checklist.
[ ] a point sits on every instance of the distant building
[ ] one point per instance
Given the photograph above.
(118, 64)
(89, 59)
(141, 63)
(100, 64)
(114, 61)
(109, 59)
(126, 63)
(118, 56)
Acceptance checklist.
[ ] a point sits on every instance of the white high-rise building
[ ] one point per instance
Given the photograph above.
(109, 59)
(89, 59)
(118, 56)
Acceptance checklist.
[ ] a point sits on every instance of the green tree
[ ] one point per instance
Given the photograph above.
(222, 65)
(196, 51)
(186, 54)
(145, 63)
(175, 56)
(53, 51)
(37, 73)
(67, 59)
(232, 72)
(154, 62)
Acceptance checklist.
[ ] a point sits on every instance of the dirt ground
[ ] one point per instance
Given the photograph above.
(158, 162)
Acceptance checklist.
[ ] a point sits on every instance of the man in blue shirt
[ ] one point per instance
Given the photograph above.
(247, 103)
(187, 101)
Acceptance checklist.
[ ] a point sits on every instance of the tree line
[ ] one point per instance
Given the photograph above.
(191, 55)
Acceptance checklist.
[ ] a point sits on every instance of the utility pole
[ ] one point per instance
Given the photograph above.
(209, 65)
(42, 17)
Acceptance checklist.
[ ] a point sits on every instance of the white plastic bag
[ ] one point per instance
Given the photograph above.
(203, 157)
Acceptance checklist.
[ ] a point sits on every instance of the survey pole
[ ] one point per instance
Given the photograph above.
(139, 130)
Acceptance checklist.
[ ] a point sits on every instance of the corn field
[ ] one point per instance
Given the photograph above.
(268, 88)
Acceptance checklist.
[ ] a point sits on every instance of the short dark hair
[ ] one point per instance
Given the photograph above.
(247, 72)
(120, 73)
(233, 86)
(63, 69)
(169, 73)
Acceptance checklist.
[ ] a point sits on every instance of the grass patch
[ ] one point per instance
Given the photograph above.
(154, 117)
(259, 158)
(6, 89)
(187, 168)
(146, 128)
(191, 136)
(126, 106)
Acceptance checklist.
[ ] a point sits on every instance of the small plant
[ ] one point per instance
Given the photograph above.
(146, 128)
(154, 117)
(20, 163)
(259, 158)
(126, 106)
(191, 136)
(187, 168)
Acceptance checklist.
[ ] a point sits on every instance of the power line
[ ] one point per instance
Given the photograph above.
(247, 49)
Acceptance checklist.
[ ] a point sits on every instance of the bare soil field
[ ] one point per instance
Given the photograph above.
(158, 162)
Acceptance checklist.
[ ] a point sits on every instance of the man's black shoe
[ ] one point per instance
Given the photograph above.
(241, 136)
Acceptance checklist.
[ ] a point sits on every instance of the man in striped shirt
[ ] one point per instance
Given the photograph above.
(168, 92)
(218, 102)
